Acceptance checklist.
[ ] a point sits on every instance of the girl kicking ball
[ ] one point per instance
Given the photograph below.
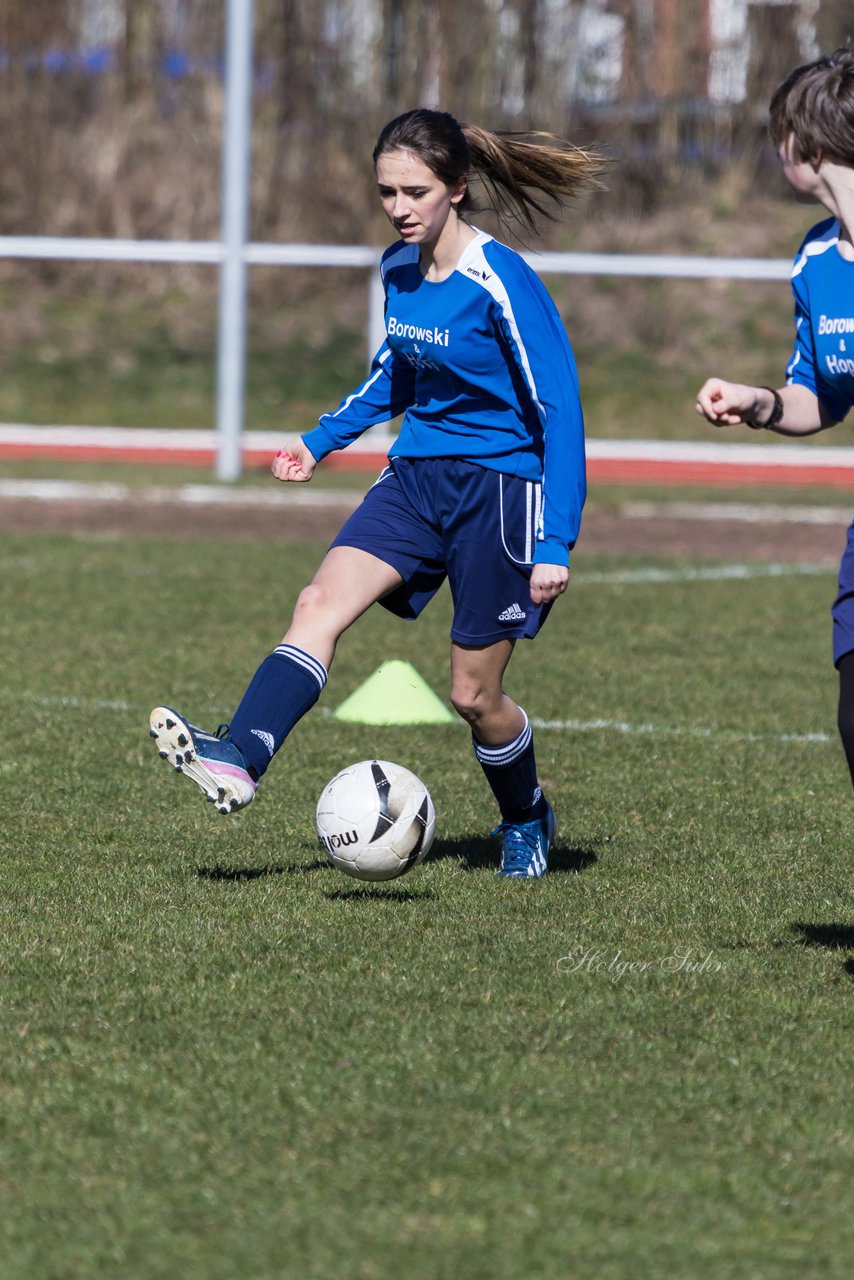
(485, 481)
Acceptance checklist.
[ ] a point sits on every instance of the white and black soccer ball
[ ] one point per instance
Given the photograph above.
(375, 820)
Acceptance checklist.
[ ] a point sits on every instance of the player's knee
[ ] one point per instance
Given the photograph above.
(470, 700)
(313, 602)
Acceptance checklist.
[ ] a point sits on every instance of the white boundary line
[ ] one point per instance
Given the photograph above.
(624, 727)
(198, 495)
(617, 577)
(674, 731)
(714, 573)
(53, 490)
(50, 490)
(742, 512)
(299, 496)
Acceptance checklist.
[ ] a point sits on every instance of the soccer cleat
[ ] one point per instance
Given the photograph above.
(212, 762)
(525, 846)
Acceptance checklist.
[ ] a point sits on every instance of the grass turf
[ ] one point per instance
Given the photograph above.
(223, 1057)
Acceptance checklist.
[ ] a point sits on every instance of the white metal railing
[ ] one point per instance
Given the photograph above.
(354, 255)
(213, 253)
(210, 253)
(232, 254)
(231, 355)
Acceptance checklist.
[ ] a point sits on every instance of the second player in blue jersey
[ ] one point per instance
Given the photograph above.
(812, 126)
(486, 478)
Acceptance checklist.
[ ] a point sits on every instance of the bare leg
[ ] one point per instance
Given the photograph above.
(283, 689)
(478, 695)
(504, 747)
(347, 583)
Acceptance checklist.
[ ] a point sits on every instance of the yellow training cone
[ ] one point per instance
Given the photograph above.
(394, 694)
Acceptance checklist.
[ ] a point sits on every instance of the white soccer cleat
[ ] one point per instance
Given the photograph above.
(210, 759)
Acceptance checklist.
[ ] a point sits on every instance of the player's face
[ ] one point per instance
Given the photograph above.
(416, 202)
(801, 175)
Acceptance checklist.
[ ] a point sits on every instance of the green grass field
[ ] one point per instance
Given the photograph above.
(223, 1058)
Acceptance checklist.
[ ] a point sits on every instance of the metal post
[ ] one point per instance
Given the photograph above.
(237, 141)
(376, 316)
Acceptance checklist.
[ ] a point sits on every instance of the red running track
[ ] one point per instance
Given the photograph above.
(709, 463)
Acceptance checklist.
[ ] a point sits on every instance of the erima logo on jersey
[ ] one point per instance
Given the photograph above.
(266, 738)
(417, 332)
(514, 613)
(478, 275)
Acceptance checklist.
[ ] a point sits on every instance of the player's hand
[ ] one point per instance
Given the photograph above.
(294, 462)
(548, 581)
(725, 404)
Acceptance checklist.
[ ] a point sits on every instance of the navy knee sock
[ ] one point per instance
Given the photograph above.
(286, 685)
(511, 771)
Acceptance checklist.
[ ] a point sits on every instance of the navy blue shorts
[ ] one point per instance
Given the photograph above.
(437, 518)
(843, 607)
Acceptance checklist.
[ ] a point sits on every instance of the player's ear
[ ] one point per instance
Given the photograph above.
(459, 191)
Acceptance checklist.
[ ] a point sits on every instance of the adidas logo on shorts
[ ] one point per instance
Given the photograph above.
(514, 613)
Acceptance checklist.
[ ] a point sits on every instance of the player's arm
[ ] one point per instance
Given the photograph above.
(805, 405)
(800, 412)
(539, 345)
(554, 386)
(387, 391)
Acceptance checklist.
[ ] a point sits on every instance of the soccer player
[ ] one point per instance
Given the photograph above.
(812, 127)
(485, 481)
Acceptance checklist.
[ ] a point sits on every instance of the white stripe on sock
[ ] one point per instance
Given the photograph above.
(508, 751)
(305, 660)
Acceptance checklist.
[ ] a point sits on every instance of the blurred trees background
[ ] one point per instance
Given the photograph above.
(112, 109)
(112, 117)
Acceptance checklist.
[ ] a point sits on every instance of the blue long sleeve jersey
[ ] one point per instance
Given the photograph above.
(823, 287)
(481, 368)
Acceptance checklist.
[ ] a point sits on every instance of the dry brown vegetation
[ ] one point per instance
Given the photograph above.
(135, 152)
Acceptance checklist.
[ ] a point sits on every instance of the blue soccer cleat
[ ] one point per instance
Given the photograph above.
(525, 846)
(212, 762)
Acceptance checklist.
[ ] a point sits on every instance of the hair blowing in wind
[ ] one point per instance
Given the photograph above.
(523, 174)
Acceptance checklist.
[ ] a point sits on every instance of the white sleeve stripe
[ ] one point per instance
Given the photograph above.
(828, 241)
(363, 390)
(494, 286)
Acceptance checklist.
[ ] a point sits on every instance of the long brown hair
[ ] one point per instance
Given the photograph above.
(814, 106)
(524, 174)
